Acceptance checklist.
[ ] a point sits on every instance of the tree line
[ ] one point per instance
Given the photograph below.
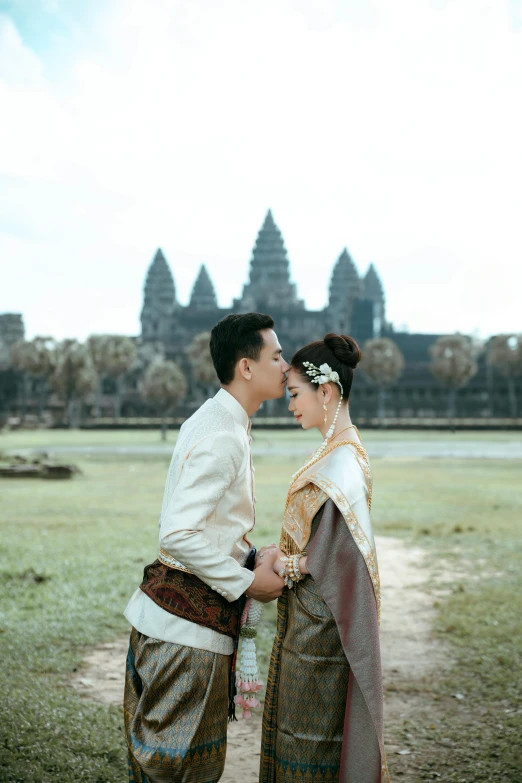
(75, 371)
(454, 362)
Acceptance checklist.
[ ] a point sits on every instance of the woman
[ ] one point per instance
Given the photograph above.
(323, 710)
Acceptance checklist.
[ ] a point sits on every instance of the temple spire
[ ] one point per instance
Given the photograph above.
(159, 273)
(372, 284)
(159, 302)
(345, 283)
(345, 290)
(269, 286)
(374, 291)
(269, 258)
(203, 294)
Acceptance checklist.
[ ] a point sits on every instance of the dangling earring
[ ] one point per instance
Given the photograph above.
(334, 422)
(325, 413)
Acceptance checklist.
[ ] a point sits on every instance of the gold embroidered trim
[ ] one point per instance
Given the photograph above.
(362, 458)
(300, 509)
(171, 562)
(356, 530)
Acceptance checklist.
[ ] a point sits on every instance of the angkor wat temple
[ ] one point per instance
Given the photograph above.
(356, 306)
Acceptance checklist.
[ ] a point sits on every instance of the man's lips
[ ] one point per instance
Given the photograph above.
(300, 416)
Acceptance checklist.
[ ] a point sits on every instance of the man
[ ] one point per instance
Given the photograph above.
(185, 615)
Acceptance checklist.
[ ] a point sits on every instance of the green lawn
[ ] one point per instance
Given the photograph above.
(47, 439)
(72, 552)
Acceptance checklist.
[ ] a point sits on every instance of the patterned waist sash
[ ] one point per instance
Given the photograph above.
(185, 595)
(180, 592)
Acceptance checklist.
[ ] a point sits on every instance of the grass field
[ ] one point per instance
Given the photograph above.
(47, 439)
(72, 552)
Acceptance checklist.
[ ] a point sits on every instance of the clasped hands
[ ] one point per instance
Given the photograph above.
(270, 572)
(278, 560)
(267, 584)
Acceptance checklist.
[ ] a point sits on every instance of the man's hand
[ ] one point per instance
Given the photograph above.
(266, 585)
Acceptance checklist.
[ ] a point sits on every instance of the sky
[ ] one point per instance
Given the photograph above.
(391, 128)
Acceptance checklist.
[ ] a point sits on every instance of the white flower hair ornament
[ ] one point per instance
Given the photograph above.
(323, 374)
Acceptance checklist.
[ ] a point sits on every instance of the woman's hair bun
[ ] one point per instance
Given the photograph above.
(344, 348)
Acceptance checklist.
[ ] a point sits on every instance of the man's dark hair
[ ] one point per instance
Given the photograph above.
(236, 337)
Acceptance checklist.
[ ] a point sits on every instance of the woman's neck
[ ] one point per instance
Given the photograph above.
(343, 422)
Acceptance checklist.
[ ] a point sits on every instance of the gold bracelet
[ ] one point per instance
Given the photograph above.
(295, 564)
(291, 572)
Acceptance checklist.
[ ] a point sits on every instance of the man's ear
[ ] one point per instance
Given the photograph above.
(243, 368)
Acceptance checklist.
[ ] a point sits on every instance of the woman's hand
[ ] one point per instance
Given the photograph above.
(277, 564)
(266, 553)
(303, 567)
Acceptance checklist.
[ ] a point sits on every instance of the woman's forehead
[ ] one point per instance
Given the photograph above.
(295, 378)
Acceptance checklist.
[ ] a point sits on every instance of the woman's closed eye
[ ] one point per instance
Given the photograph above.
(292, 396)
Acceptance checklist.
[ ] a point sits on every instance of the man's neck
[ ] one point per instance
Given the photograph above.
(240, 394)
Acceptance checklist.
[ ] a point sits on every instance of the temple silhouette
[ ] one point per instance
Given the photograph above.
(356, 305)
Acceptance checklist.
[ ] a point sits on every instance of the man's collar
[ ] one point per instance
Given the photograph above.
(233, 407)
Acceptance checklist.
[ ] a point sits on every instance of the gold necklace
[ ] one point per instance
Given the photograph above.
(346, 428)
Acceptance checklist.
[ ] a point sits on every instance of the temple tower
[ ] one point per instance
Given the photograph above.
(269, 287)
(345, 289)
(203, 294)
(373, 290)
(159, 302)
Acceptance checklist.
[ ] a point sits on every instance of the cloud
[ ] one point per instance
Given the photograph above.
(391, 128)
(18, 64)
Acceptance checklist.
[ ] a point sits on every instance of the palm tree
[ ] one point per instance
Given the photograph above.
(35, 359)
(146, 354)
(74, 376)
(165, 386)
(453, 363)
(198, 354)
(382, 363)
(505, 353)
(96, 346)
(113, 356)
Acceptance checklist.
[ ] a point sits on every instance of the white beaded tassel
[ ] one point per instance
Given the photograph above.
(334, 422)
(247, 679)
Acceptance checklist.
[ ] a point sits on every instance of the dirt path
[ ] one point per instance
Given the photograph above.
(409, 653)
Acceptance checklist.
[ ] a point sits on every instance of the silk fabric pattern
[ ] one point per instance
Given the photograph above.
(175, 710)
(306, 692)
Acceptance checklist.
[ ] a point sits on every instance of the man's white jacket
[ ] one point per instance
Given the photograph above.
(208, 510)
